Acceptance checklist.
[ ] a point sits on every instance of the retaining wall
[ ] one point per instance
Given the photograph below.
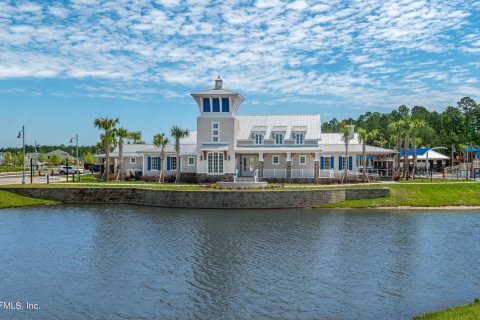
(202, 199)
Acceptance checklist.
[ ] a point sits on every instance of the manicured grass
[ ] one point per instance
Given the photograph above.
(419, 195)
(470, 311)
(10, 169)
(9, 200)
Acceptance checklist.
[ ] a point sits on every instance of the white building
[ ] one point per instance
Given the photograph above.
(269, 146)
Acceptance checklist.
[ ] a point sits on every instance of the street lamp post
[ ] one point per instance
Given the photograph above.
(21, 134)
(78, 162)
(428, 163)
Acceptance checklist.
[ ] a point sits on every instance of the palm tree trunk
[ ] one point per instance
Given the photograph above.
(414, 156)
(177, 150)
(107, 155)
(364, 160)
(345, 164)
(405, 156)
(120, 150)
(398, 146)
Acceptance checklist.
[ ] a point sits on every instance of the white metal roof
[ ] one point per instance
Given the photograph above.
(337, 138)
(355, 148)
(215, 91)
(248, 124)
(432, 155)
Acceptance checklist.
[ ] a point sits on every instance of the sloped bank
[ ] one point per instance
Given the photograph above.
(202, 199)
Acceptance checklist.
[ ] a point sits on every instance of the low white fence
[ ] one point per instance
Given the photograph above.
(303, 173)
(330, 173)
(274, 173)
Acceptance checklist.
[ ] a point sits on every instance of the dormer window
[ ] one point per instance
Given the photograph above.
(299, 138)
(258, 138)
(278, 137)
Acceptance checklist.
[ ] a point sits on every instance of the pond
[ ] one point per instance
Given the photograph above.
(130, 262)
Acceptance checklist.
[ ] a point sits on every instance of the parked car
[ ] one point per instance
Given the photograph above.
(69, 170)
(97, 168)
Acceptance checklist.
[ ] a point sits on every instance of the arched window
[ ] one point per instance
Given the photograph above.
(215, 162)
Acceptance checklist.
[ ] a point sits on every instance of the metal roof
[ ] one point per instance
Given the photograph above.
(310, 122)
(356, 148)
(337, 138)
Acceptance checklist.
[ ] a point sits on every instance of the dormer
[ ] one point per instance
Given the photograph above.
(218, 102)
(298, 134)
(278, 134)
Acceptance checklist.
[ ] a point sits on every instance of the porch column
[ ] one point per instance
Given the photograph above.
(289, 165)
(316, 165)
(260, 165)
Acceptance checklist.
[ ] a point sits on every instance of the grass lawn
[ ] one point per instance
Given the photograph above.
(470, 311)
(419, 195)
(9, 200)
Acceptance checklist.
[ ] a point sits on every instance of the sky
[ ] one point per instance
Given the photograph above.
(65, 63)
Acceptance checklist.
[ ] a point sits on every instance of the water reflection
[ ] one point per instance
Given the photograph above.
(135, 262)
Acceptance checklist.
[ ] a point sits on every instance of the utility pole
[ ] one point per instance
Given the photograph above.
(78, 162)
(21, 134)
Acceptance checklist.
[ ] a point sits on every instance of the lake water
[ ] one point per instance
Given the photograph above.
(131, 262)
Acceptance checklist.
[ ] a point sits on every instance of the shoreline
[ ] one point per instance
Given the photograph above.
(405, 208)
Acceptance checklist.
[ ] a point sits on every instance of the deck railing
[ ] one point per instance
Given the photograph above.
(274, 173)
(303, 173)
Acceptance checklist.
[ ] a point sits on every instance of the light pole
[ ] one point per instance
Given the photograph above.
(78, 163)
(21, 134)
(428, 163)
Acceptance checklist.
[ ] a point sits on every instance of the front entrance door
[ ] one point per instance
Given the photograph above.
(249, 165)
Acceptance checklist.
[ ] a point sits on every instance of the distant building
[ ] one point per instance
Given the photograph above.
(61, 153)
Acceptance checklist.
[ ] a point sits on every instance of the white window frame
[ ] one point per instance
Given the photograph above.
(343, 163)
(276, 156)
(299, 138)
(133, 160)
(154, 165)
(277, 136)
(173, 163)
(215, 137)
(325, 159)
(300, 160)
(258, 138)
(215, 162)
(193, 161)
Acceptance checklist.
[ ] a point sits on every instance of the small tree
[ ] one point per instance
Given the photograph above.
(363, 137)
(20, 158)
(136, 137)
(178, 134)
(88, 158)
(55, 160)
(42, 157)
(161, 141)
(9, 158)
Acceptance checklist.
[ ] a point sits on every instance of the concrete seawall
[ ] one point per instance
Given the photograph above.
(202, 199)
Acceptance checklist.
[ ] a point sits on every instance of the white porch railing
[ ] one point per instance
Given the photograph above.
(303, 173)
(274, 173)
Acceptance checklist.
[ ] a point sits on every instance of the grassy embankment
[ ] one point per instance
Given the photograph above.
(10, 200)
(470, 311)
(420, 195)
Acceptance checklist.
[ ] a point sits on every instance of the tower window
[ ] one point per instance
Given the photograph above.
(206, 104)
(225, 105)
(215, 131)
(216, 104)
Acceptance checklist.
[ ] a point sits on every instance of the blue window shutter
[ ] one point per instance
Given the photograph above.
(149, 163)
(225, 105)
(216, 104)
(206, 104)
(168, 163)
(322, 162)
(340, 162)
(350, 163)
(332, 162)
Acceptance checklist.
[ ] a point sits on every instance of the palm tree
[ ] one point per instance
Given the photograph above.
(178, 133)
(108, 125)
(417, 127)
(121, 134)
(136, 137)
(395, 129)
(346, 131)
(406, 125)
(161, 141)
(363, 137)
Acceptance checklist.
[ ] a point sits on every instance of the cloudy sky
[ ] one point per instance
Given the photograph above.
(64, 63)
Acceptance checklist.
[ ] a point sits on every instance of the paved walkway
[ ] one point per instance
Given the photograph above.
(17, 179)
